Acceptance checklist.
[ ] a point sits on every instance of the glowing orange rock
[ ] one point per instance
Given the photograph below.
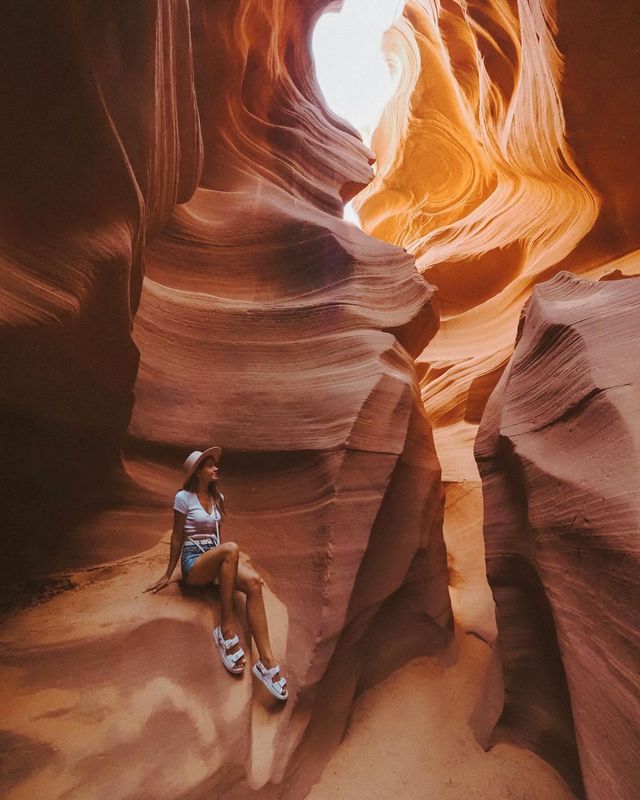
(506, 157)
(475, 177)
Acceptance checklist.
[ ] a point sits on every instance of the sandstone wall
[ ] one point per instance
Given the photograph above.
(101, 139)
(558, 454)
(496, 171)
(265, 324)
(506, 157)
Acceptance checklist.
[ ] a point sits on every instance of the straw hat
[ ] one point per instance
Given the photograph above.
(196, 458)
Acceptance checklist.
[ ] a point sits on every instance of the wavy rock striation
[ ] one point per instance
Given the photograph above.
(558, 454)
(172, 192)
(478, 179)
(101, 139)
(497, 170)
(265, 324)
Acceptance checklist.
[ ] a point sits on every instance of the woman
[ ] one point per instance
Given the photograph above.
(198, 511)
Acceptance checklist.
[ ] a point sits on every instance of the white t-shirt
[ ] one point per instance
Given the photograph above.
(199, 522)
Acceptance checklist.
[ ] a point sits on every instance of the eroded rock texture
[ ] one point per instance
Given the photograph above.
(478, 178)
(558, 455)
(265, 324)
(100, 139)
(187, 142)
(497, 169)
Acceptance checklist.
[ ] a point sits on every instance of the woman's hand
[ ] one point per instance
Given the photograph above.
(158, 585)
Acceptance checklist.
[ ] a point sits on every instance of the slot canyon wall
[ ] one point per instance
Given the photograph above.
(499, 167)
(558, 453)
(176, 273)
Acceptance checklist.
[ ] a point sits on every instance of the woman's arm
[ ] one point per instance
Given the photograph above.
(177, 535)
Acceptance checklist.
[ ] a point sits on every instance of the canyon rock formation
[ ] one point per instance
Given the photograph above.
(102, 140)
(496, 171)
(182, 275)
(558, 454)
(478, 178)
(176, 273)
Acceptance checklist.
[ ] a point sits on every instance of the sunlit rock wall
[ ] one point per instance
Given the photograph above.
(559, 457)
(507, 156)
(477, 178)
(267, 325)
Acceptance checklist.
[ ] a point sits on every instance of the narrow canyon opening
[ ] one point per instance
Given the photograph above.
(355, 76)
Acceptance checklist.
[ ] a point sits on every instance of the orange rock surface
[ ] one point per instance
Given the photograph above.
(507, 156)
(478, 179)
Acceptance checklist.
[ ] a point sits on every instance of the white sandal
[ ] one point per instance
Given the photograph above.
(277, 688)
(229, 659)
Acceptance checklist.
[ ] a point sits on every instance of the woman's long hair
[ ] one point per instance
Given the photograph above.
(192, 485)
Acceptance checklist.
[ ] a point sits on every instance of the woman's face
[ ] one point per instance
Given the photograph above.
(208, 470)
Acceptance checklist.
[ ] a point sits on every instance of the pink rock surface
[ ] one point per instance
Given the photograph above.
(264, 324)
(558, 454)
(101, 138)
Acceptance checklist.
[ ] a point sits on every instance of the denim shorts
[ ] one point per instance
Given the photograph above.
(191, 552)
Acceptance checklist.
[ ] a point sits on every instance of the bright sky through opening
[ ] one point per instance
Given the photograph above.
(352, 71)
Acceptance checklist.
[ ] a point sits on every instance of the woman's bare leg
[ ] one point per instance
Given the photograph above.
(221, 563)
(249, 582)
